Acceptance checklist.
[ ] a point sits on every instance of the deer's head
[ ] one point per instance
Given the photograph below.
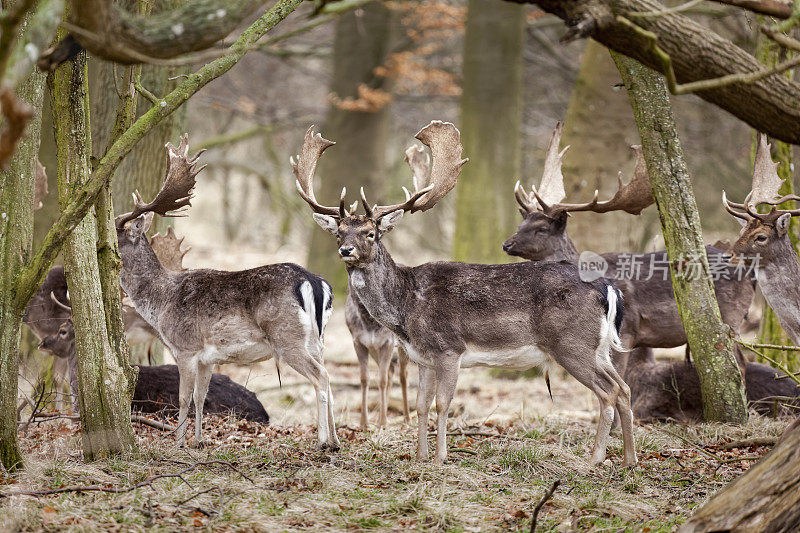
(542, 232)
(175, 195)
(358, 235)
(62, 342)
(764, 236)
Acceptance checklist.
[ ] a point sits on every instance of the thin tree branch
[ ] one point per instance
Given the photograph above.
(547, 496)
(772, 8)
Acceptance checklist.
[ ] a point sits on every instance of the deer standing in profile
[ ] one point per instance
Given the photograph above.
(448, 315)
(764, 242)
(651, 314)
(210, 316)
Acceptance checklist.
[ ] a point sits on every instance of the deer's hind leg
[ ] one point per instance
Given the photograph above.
(402, 357)
(384, 380)
(300, 359)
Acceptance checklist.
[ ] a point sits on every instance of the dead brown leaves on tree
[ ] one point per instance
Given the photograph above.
(16, 115)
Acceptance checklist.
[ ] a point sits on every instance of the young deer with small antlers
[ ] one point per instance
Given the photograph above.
(210, 316)
(764, 243)
(651, 315)
(447, 315)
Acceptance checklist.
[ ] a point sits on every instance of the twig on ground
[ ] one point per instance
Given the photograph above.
(152, 423)
(547, 496)
(685, 440)
(462, 450)
(746, 443)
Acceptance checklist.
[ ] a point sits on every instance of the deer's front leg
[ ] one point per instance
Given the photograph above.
(363, 366)
(446, 378)
(427, 388)
(201, 383)
(186, 371)
(384, 381)
(403, 372)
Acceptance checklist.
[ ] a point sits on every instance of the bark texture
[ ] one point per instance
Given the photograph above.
(104, 387)
(709, 338)
(16, 238)
(765, 498)
(361, 43)
(491, 117)
(109, 31)
(771, 105)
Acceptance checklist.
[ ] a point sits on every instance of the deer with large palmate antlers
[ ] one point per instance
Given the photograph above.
(651, 314)
(764, 243)
(448, 315)
(209, 316)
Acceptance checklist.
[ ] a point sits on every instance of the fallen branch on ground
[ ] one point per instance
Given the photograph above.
(547, 496)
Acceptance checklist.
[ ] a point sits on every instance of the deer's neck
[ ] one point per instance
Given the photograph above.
(382, 288)
(780, 283)
(147, 283)
(565, 251)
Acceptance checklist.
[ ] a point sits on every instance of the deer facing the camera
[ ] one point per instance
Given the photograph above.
(207, 317)
(764, 242)
(651, 314)
(447, 314)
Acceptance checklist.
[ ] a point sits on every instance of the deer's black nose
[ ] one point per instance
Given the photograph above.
(345, 251)
(507, 246)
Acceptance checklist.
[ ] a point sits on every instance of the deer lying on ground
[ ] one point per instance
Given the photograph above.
(764, 242)
(157, 387)
(447, 315)
(209, 316)
(372, 339)
(651, 314)
(664, 391)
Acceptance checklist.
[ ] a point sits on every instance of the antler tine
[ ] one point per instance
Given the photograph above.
(365, 203)
(522, 198)
(551, 186)
(63, 306)
(731, 207)
(179, 182)
(420, 163)
(631, 198)
(167, 248)
(766, 182)
(304, 166)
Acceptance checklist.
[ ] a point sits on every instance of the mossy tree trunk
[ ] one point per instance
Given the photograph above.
(491, 115)
(16, 239)
(709, 338)
(770, 331)
(361, 43)
(104, 392)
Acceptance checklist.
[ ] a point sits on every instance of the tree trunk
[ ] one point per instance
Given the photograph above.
(491, 116)
(16, 239)
(599, 129)
(771, 104)
(361, 43)
(104, 389)
(765, 498)
(770, 331)
(710, 340)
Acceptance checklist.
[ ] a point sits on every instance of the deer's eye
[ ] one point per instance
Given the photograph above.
(63, 333)
(371, 235)
(761, 239)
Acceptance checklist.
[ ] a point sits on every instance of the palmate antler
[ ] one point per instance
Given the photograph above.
(176, 193)
(444, 140)
(632, 197)
(765, 189)
(431, 182)
(167, 248)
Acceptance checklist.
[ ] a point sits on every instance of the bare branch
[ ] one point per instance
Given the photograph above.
(772, 8)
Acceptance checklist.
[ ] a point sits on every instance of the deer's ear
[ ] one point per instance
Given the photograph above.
(328, 223)
(387, 223)
(140, 225)
(782, 224)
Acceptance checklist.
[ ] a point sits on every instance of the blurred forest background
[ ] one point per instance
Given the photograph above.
(369, 78)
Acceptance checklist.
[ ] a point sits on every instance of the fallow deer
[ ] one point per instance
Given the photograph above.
(447, 314)
(156, 390)
(651, 314)
(370, 339)
(764, 242)
(209, 316)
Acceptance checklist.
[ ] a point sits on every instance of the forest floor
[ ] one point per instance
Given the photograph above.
(508, 444)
